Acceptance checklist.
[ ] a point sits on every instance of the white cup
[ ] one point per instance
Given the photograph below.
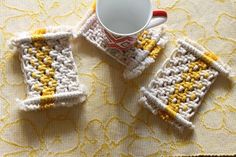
(122, 20)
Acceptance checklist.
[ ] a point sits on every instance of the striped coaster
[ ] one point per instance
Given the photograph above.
(49, 69)
(136, 60)
(177, 90)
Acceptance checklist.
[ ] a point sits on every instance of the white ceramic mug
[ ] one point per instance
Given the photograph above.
(123, 20)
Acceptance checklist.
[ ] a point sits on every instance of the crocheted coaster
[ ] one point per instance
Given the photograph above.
(49, 69)
(177, 90)
(146, 50)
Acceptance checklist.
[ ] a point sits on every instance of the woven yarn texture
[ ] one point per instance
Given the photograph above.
(110, 122)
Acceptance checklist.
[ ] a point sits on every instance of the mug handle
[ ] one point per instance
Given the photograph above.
(159, 17)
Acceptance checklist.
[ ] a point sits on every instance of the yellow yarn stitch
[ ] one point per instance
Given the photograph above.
(48, 99)
(39, 31)
(155, 52)
(94, 5)
(183, 89)
(171, 111)
(148, 44)
(209, 57)
(37, 37)
(45, 73)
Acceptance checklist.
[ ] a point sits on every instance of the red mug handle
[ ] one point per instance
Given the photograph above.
(159, 17)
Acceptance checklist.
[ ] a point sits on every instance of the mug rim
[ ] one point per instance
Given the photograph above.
(128, 34)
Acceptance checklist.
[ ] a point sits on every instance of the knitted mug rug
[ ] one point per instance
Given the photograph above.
(49, 69)
(136, 60)
(177, 90)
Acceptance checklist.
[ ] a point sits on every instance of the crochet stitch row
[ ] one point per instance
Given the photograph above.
(49, 69)
(177, 90)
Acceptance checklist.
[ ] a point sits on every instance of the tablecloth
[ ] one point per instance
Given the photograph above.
(110, 122)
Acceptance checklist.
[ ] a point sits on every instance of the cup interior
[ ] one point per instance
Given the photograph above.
(124, 17)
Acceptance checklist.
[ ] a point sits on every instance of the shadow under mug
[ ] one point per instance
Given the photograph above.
(123, 20)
